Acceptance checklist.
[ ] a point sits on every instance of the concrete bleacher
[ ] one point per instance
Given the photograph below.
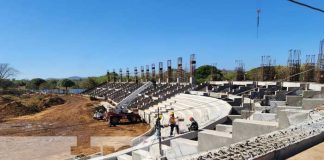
(286, 104)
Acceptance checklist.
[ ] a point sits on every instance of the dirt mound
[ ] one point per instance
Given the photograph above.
(52, 101)
(73, 118)
(12, 106)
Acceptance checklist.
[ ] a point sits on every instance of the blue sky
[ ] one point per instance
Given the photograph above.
(63, 38)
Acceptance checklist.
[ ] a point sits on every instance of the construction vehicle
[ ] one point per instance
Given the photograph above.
(114, 117)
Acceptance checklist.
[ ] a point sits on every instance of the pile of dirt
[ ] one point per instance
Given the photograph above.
(13, 106)
(51, 101)
(73, 118)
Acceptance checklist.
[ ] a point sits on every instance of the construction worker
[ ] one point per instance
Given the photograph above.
(158, 122)
(173, 123)
(194, 125)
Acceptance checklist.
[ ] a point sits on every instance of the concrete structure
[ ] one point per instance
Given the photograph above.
(141, 154)
(289, 117)
(181, 147)
(311, 103)
(271, 117)
(224, 128)
(294, 100)
(209, 139)
(124, 157)
(245, 129)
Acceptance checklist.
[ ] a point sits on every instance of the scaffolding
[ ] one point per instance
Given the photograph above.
(309, 68)
(180, 71)
(161, 72)
(320, 64)
(268, 71)
(294, 65)
(240, 70)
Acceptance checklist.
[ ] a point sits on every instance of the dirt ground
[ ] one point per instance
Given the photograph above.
(314, 153)
(74, 118)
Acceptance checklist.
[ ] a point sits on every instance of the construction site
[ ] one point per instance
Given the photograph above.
(164, 110)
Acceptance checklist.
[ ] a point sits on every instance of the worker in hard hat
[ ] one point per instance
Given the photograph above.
(194, 125)
(173, 124)
(158, 122)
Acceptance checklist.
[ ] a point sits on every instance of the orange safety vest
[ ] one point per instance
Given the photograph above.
(172, 120)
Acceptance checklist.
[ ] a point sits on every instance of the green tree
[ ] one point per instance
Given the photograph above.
(35, 83)
(52, 83)
(89, 83)
(5, 84)
(67, 83)
(203, 73)
(229, 75)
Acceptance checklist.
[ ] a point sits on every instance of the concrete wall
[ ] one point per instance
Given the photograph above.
(209, 139)
(310, 93)
(311, 103)
(316, 86)
(289, 117)
(293, 149)
(244, 129)
(181, 147)
(224, 128)
(270, 117)
(294, 100)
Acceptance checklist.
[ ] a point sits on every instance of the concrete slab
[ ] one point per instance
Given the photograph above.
(244, 129)
(155, 151)
(224, 128)
(233, 117)
(311, 103)
(209, 139)
(310, 93)
(140, 155)
(270, 117)
(289, 117)
(181, 147)
(124, 157)
(294, 100)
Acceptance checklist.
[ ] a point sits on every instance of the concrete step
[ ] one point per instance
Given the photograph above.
(210, 139)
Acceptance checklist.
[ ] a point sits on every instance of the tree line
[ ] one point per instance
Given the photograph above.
(203, 74)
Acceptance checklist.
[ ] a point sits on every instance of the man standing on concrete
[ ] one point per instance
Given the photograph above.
(173, 123)
(194, 125)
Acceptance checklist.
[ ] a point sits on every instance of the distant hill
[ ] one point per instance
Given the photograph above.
(75, 78)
